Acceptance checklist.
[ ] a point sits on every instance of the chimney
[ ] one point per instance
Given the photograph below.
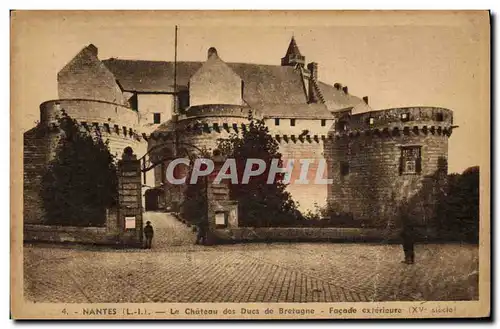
(346, 90)
(313, 68)
(313, 79)
(337, 86)
(365, 99)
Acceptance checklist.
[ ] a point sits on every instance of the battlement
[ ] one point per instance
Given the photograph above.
(394, 121)
(95, 116)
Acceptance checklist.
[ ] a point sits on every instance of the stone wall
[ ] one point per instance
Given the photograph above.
(108, 234)
(130, 200)
(311, 194)
(35, 162)
(148, 104)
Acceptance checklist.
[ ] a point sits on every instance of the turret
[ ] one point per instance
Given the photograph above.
(293, 56)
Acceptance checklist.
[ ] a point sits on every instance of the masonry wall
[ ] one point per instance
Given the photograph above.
(35, 162)
(313, 126)
(311, 195)
(148, 104)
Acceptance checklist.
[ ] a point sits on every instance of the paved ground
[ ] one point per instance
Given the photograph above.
(178, 271)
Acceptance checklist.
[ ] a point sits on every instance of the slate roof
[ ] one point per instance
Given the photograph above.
(265, 86)
(336, 99)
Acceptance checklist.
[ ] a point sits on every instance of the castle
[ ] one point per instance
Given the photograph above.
(376, 158)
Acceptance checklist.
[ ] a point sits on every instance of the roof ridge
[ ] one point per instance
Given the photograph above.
(197, 62)
(111, 59)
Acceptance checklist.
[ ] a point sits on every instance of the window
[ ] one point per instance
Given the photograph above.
(439, 117)
(276, 122)
(124, 131)
(405, 117)
(156, 118)
(292, 122)
(411, 160)
(344, 168)
(371, 121)
(323, 122)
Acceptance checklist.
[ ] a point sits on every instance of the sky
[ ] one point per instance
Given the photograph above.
(396, 59)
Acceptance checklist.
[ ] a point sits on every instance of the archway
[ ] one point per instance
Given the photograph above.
(155, 199)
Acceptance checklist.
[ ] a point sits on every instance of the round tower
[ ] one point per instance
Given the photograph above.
(380, 158)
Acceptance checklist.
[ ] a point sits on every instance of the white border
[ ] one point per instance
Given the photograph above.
(212, 4)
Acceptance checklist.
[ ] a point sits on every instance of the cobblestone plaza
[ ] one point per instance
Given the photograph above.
(176, 270)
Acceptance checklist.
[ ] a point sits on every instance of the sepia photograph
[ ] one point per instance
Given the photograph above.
(250, 165)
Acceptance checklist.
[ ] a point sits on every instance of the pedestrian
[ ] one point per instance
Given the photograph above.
(408, 238)
(407, 234)
(148, 233)
(201, 236)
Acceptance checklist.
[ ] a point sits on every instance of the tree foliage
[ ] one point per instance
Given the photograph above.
(260, 204)
(459, 207)
(80, 182)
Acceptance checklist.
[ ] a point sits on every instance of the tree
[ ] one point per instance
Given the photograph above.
(260, 204)
(80, 182)
(459, 208)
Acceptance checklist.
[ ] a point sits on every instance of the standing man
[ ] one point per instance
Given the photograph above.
(202, 227)
(148, 233)
(407, 234)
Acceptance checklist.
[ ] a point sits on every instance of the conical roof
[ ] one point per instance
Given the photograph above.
(293, 49)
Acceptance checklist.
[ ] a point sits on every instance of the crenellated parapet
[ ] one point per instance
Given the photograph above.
(303, 139)
(394, 122)
(96, 116)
